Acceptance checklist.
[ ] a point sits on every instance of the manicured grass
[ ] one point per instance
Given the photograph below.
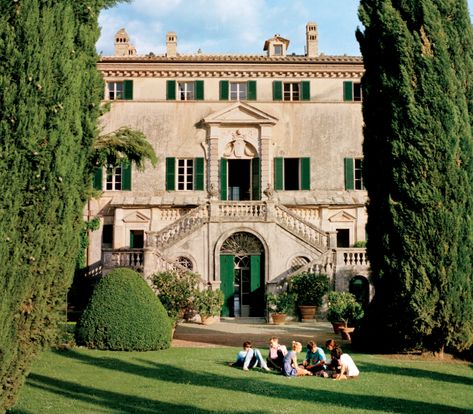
(184, 380)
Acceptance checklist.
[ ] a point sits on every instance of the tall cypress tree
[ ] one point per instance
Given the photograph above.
(49, 105)
(417, 98)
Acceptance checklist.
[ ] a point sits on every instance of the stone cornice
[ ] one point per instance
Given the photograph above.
(232, 67)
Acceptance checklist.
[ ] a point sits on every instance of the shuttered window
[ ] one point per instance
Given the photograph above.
(353, 174)
(292, 174)
(277, 91)
(171, 90)
(184, 174)
(352, 91)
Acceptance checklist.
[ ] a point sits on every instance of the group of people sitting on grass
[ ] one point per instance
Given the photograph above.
(340, 366)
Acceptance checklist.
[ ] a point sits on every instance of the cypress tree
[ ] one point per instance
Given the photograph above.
(417, 108)
(49, 105)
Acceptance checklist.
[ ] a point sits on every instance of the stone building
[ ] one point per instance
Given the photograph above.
(259, 171)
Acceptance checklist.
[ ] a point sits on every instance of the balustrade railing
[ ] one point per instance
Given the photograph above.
(241, 210)
(301, 228)
(179, 229)
(352, 257)
(132, 258)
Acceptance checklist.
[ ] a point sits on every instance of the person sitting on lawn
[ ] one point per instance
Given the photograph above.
(290, 367)
(315, 360)
(276, 354)
(250, 358)
(343, 365)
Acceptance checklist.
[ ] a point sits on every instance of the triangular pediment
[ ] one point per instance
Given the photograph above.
(240, 113)
(136, 217)
(342, 216)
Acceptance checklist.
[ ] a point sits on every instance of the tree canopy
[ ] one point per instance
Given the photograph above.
(418, 171)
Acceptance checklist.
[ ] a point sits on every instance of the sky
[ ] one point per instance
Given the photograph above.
(232, 26)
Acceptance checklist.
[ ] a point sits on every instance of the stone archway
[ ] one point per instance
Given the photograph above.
(242, 275)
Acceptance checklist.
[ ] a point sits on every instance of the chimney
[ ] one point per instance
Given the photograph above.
(311, 39)
(171, 44)
(123, 47)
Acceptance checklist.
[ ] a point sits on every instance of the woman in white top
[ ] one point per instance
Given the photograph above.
(343, 363)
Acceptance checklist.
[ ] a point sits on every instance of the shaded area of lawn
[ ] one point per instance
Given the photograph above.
(253, 392)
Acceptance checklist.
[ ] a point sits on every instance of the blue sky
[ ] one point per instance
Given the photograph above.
(232, 26)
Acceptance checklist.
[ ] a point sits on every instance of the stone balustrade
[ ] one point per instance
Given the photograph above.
(301, 228)
(352, 257)
(240, 211)
(131, 258)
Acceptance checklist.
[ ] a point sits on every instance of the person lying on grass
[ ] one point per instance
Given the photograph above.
(315, 360)
(343, 365)
(276, 354)
(290, 367)
(249, 358)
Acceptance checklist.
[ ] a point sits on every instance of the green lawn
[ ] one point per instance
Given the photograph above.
(184, 380)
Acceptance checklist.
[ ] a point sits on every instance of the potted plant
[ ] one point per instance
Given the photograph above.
(279, 305)
(343, 312)
(208, 304)
(309, 289)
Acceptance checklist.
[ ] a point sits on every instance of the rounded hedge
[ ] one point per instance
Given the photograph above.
(124, 314)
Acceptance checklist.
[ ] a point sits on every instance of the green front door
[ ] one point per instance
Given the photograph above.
(242, 285)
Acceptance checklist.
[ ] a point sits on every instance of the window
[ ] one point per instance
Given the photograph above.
(116, 178)
(277, 50)
(186, 90)
(343, 238)
(137, 239)
(107, 235)
(291, 91)
(184, 174)
(185, 262)
(292, 174)
(238, 91)
(352, 91)
(120, 90)
(354, 174)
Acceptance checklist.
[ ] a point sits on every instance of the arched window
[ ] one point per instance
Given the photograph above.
(185, 262)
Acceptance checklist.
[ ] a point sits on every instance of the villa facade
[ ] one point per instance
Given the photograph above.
(258, 174)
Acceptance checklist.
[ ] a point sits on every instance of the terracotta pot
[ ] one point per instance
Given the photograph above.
(346, 333)
(279, 318)
(307, 312)
(337, 325)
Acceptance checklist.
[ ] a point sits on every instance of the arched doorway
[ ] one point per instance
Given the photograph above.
(242, 275)
(360, 287)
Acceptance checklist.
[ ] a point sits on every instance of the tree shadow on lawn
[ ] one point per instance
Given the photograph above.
(415, 373)
(116, 402)
(260, 387)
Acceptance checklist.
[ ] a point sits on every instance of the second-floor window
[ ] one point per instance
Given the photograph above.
(291, 91)
(119, 90)
(238, 91)
(292, 174)
(116, 178)
(184, 174)
(354, 174)
(113, 179)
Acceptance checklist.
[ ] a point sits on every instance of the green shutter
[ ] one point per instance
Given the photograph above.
(227, 264)
(199, 90)
(349, 178)
(348, 91)
(277, 91)
(171, 90)
(305, 173)
(255, 269)
(126, 177)
(98, 179)
(199, 174)
(255, 179)
(223, 179)
(305, 85)
(132, 239)
(224, 90)
(278, 173)
(251, 90)
(128, 89)
(170, 174)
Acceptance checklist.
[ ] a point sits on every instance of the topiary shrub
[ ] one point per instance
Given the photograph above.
(124, 314)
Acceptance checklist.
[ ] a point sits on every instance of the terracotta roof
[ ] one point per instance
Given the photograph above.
(201, 58)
